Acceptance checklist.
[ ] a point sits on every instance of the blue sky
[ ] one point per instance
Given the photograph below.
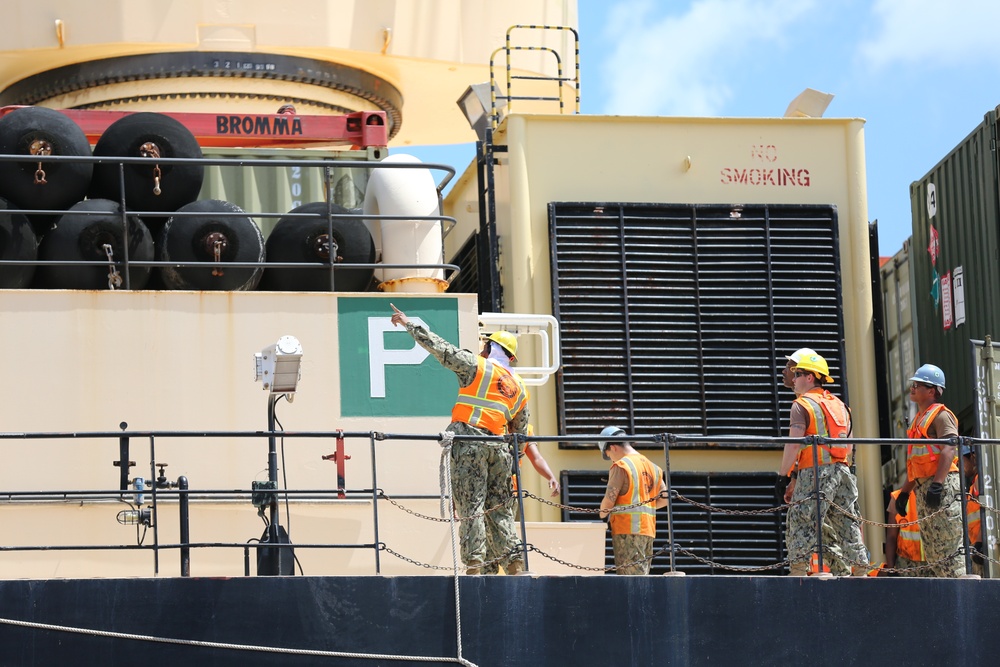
(922, 73)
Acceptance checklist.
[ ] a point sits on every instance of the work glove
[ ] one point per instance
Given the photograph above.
(977, 557)
(901, 500)
(779, 487)
(934, 493)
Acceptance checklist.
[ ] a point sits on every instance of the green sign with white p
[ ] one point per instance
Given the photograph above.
(383, 372)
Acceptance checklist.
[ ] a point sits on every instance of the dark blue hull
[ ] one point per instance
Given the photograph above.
(581, 621)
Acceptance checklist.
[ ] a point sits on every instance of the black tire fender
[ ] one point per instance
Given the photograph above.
(65, 183)
(80, 235)
(179, 184)
(194, 233)
(295, 239)
(17, 242)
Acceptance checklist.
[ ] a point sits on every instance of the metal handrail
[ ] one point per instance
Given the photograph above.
(448, 223)
(374, 493)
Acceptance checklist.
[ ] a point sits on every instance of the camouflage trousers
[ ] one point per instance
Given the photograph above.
(842, 542)
(480, 480)
(911, 568)
(630, 548)
(493, 552)
(941, 533)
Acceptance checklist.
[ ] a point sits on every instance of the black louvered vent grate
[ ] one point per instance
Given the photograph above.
(724, 540)
(678, 318)
(466, 259)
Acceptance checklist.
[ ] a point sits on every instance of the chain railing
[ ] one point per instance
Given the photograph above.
(161, 489)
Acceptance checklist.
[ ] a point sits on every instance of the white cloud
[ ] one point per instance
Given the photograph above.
(681, 64)
(932, 32)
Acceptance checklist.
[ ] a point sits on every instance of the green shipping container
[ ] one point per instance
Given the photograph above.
(279, 189)
(954, 262)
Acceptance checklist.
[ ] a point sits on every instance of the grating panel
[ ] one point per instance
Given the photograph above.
(467, 260)
(671, 310)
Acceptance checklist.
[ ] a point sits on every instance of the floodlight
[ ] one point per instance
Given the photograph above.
(477, 105)
(277, 366)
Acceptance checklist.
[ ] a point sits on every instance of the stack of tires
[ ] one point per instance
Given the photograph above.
(150, 163)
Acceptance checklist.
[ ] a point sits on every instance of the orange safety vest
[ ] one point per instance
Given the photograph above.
(908, 543)
(639, 520)
(492, 399)
(972, 512)
(922, 460)
(829, 418)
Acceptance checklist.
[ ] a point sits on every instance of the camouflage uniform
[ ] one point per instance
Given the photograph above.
(941, 533)
(630, 548)
(480, 471)
(842, 542)
(910, 568)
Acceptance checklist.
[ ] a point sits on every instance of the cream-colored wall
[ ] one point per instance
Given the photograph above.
(562, 158)
(184, 361)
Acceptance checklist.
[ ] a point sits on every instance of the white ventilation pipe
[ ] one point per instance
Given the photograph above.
(405, 192)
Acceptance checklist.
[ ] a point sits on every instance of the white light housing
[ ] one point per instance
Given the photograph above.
(277, 365)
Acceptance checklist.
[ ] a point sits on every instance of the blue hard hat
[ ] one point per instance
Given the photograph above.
(966, 450)
(929, 374)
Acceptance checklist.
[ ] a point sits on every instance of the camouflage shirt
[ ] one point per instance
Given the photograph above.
(461, 362)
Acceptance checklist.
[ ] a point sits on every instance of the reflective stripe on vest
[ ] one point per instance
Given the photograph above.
(972, 512)
(640, 520)
(908, 543)
(828, 418)
(492, 399)
(922, 459)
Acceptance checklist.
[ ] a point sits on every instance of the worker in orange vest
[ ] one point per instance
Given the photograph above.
(972, 509)
(492, 400)
(904, 548)
(635, 484)
(816, 411)
(932, 476)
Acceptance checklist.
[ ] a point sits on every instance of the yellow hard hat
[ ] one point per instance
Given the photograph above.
(816, 364)
(507, 341)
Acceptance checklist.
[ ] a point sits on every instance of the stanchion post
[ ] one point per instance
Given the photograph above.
(371, 439)
(515, 447)
(962, 490)
(667, 439)
(814, 440)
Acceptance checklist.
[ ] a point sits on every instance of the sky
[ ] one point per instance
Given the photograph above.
(922, 73)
